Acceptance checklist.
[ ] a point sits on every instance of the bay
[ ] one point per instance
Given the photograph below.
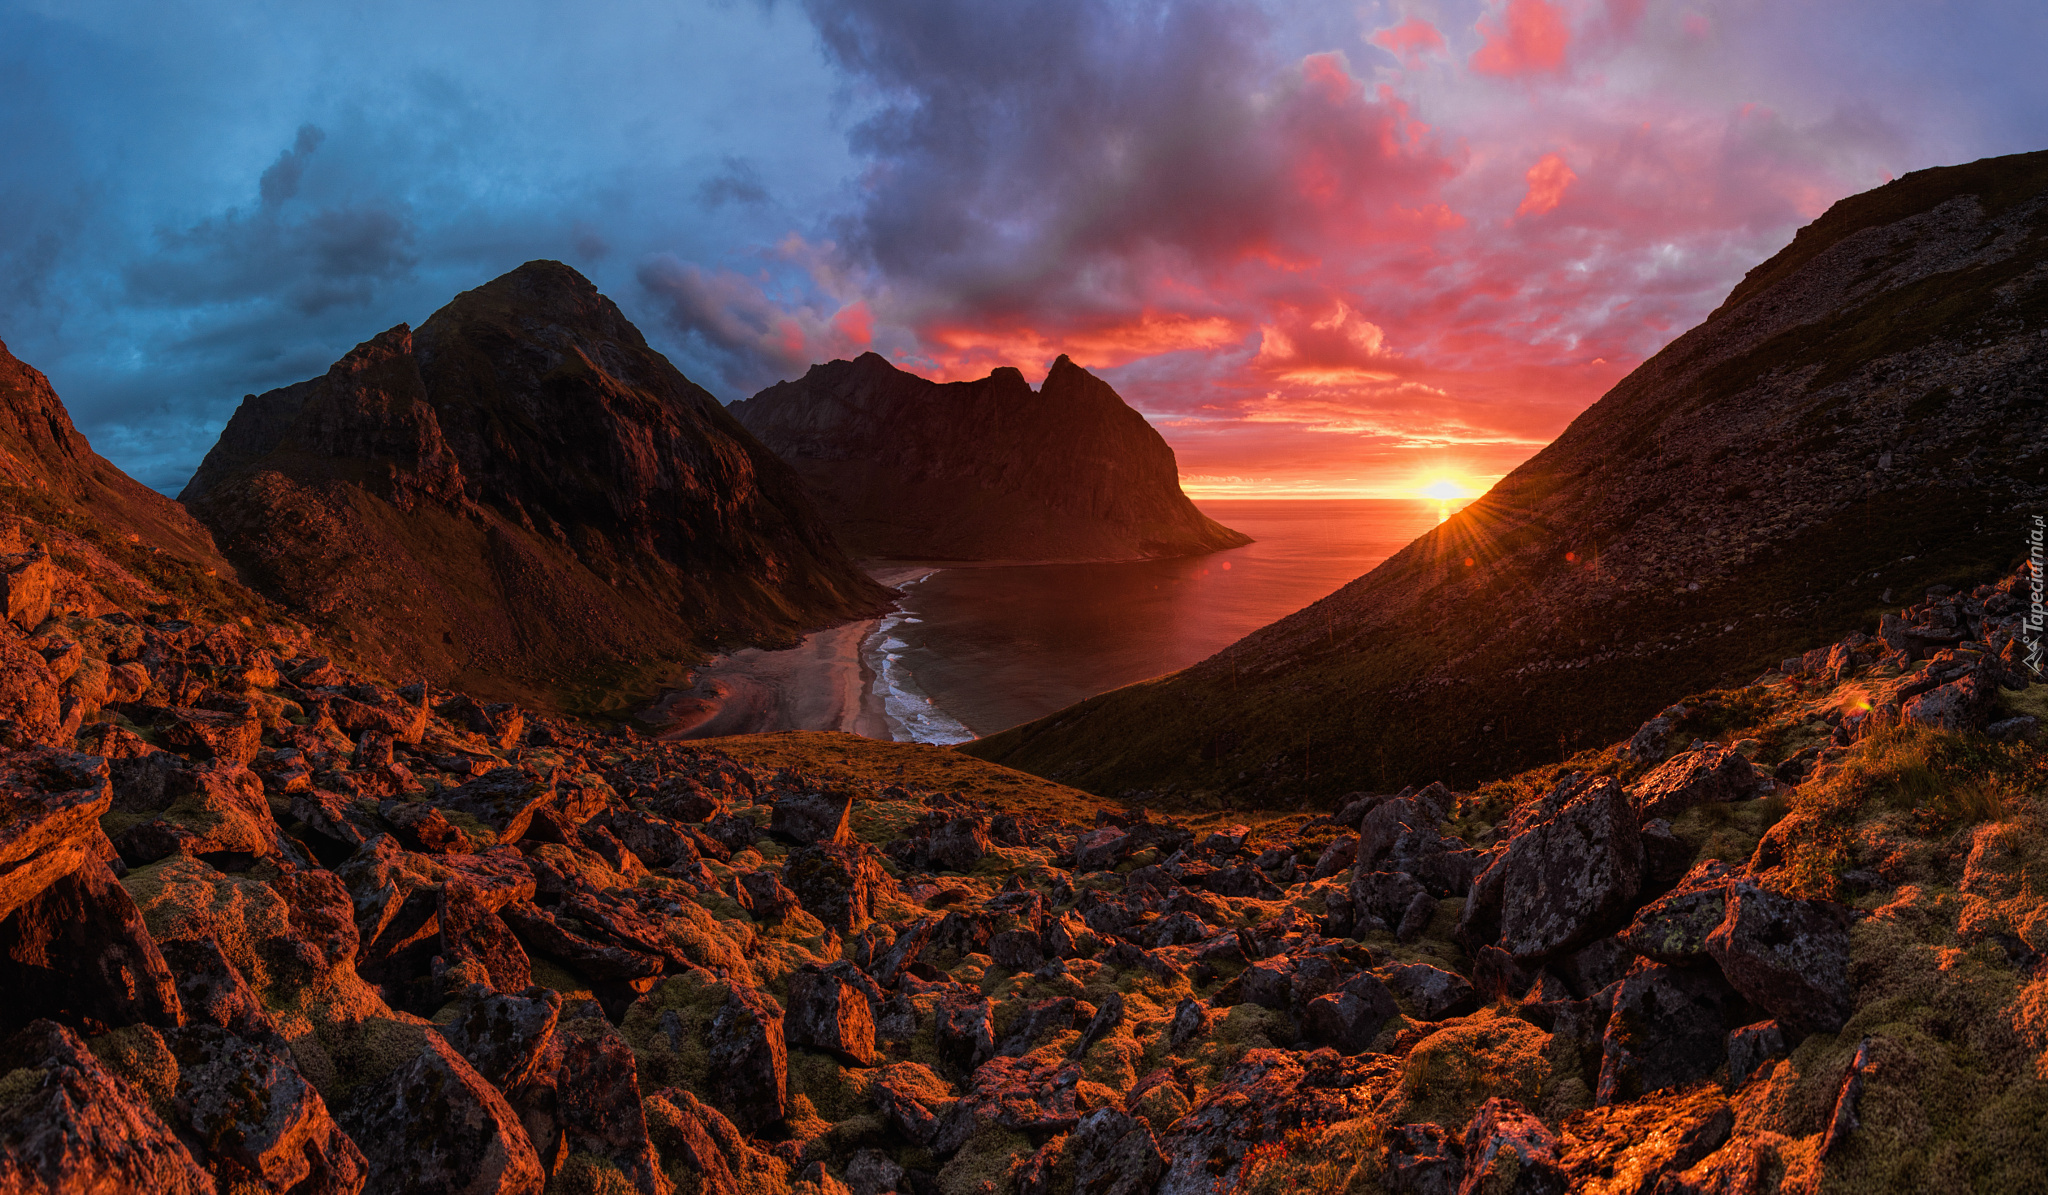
(974, 650)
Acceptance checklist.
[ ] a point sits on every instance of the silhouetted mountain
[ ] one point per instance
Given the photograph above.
(524, 496)
(1863, 418)
(910, 468)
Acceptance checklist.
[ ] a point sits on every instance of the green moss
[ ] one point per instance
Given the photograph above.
(982, 1167)
(1469, 1060)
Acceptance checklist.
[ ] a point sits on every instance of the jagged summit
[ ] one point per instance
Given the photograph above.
(990, 469)
(521, 493)
(1867, 415)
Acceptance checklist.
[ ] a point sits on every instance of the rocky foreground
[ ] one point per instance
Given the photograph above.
(267, 926)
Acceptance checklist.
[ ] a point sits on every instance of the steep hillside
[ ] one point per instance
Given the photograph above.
(107, 542)
(984, 470)
(1863, 418)
(524, 496)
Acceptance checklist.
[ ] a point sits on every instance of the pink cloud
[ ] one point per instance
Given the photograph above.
(1410, 39)
(1548, 179)
(1529, 38)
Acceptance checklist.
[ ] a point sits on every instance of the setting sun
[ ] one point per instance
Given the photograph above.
(1443, 490)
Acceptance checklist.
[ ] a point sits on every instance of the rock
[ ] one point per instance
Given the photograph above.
(1349, 1019)
(434, 1126)
(422, 828)
(1701, 776)
(1510, 1152)
(1433, 993)
(872, 1172)
(211, 991)
(1674, 927)
(539, 932)
(761, 893)
(1571, 877)
(504, 1036)
(77, 952)
(806, 818)
(1113, 1154)
(1669, 1026)
(1101, 848)
(210, 734)
(957, 844)
(836, 883)
(1402, 836)
(262, 1122)
(691, 1132)
(30, 713)
(1422, 1159)
(505, 799)
(583, 1097)
(1651, 741)
(1337, 857)
(1789, 956)
(1394, 899)
(475, 942)
(1252, 1106)
(1750, 1047)
(749, 1060)
(50, 805)
(27, 585)
(1959, 705)
(1030, 1096)
(827, 1012)
(66, 1124)
(1107, 1017)
(655, 841)
(1496, 975)
(1844, 1120)
(1666, 858)
(219, 809)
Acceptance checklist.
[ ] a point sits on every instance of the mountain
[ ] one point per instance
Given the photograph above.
(118, 544)
(523, 496)
(1864, 417)
(983, 470)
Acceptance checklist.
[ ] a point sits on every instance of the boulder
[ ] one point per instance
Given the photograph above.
(1347, 1020)
(1571, 878)
(30, 713)
(77, 952)
(28, 585)
(583, 1097)
(749, 1060)
(827, 1012)
(1958, 705)
(263, 1124)
(1674, 927)
(1422, 1159)
(1113, 1154)
(836, 882)
(1701, 776)
(505, 799)
(1789, 956)
(1750, 1047)
(503, 1036)
(475, 942)
(211, 734)
(957, 844)
(50, 805)
(434, 1126)
(1432, 992)
(211, 991)
(1510, 1152)
(806, 818)
(1669, 1026)
(66, 1124)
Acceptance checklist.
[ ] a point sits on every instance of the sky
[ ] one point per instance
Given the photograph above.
(1328, 249)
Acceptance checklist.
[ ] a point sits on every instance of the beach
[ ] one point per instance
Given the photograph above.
(824, 683)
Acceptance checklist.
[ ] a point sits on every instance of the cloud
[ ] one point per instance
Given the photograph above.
(1528, 37)
(1548, 179)
(737, 181)
(1410, 40)
(281, 181)
(753, 338)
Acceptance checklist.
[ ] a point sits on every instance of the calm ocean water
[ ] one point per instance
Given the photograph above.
(977, 650)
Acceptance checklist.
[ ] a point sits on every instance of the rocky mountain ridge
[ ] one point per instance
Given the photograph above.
(522, 495)
(984, 470)
(1865, 416)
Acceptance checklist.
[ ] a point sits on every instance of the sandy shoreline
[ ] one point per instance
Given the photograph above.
(823, 683)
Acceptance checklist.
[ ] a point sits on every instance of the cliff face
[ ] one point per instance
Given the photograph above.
(984, 470)
(1866, 416)
(522, 495)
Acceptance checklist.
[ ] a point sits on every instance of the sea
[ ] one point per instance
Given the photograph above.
(977, 649)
